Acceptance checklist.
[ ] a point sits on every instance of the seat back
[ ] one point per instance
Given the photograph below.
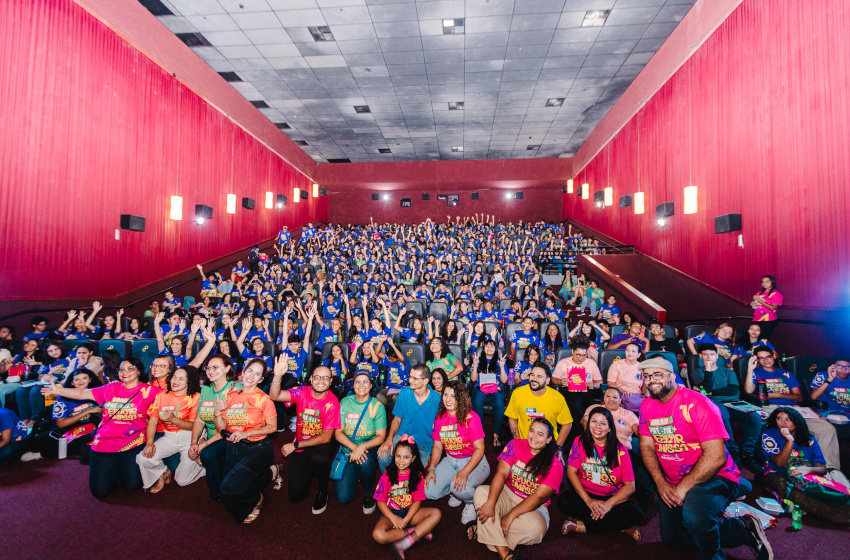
(696, 330)
(439, 309)
(561, 327)
(562, 354)
(328, 346)
(805, 368)
(415, 353)
(511, 328)
(416, 306)
(606, 358)
(504, 304)
(145, 350)
(71, 345)
(669, 332)
(741, 367)
(458, 352)
(123, 347)
(618, 329)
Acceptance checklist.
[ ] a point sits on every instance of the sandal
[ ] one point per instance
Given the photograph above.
(255, 513)
(278, 480)
(634, 533)
(472, 530)
(496, 441)
(160, 483)
(570, 526)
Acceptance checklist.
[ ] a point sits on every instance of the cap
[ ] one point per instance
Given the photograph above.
(659, 362)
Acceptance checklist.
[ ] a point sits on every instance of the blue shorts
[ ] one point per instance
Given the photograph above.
(400, 512)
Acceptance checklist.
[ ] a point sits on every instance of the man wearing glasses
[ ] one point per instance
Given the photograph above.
(415, 410)
(833, 386)
(683, 446)
(784, 389)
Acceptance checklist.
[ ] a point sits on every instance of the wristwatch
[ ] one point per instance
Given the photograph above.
(295, 444)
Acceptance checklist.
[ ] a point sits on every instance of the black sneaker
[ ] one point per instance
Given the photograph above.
(320, 504)
(759, 542)
(369, 505)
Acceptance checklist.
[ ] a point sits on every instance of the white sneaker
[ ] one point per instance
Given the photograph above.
(469, 514)
(30, 456)
(292, 424)
(454, 502)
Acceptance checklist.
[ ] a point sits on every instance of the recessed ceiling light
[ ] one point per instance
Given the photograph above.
(301, 143)
(595, 18)
(321, 33)
(457, 148)
(339, 160)
(260, 104)
(555, 102)
(230, 76)
(384, 151)
(533, 147)
(456, 105)
(156, 7)
(453, 26)
(362, 109)
(193, 39)
(282, 125)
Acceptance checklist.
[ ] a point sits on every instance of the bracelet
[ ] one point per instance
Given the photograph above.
(432, 469)
(217, 415)
(275, 382)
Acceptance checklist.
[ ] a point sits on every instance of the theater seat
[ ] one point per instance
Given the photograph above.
(71, 345)
(457, 351)
(561, 327)
(415, 353)
(327, 347)
(669, 332)
(438, 309)
(145, 350)
(606, 358)
(804, 369)
(416, 306)
(504, 304)
(618, 329)
(562, 354)
(123, 347)
(696, 330)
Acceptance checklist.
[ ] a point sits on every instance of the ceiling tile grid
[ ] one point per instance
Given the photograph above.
(410, 80)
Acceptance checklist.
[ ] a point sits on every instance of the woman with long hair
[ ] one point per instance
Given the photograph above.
(489, 375)
(765, 304)
(600, 471)
(749, 341)
(437, 355)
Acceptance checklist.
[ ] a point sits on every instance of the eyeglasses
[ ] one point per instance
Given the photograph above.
(417, 378)
(839, 366)
(362, 382)
(653, 376)
(322, 377)
(211, 368)
(763, 358)
(159, 366)
(575, 355)
(126, 369)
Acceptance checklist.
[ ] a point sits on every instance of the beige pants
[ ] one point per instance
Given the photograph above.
(827, 438)
(528, 528)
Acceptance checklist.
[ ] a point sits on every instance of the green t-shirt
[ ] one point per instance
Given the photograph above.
(376, 419)
(595, 293)
(206, 404)
(447, 363)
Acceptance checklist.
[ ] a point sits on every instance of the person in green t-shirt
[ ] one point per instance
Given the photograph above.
(593, 296)
(439, 356)
(361, 447)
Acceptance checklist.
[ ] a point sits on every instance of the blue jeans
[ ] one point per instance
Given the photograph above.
(424, 452)
(109, 470)
(30, 402)
(364, 472)
(497, 401)
(212, 457)
(752, 428)
(247, 472)
(12, 451)
(699, 522)
(446, 469)
(594, 305)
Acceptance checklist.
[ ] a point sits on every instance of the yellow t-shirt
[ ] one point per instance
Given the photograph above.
(525, 407)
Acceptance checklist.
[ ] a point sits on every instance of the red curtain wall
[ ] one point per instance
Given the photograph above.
(759, 120)
(93, 129)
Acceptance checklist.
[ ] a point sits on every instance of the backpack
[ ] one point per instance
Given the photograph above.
(407, 319)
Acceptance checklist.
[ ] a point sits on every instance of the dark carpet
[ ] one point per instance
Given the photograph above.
(47, 512)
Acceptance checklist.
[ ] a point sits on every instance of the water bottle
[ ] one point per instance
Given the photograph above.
(63, 447)
(797, 518)
(762, 393)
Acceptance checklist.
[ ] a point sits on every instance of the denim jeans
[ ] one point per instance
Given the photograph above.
(12, 451)
(364, 472)
(30, 402)
(496, 400)
(424, 453)
(446, 469)
(594, 305)
(752, 428)
(699, 522)
(247, 472)
(212, 457)
(109, 470)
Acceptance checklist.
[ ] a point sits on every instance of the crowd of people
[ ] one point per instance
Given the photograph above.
(379, 346)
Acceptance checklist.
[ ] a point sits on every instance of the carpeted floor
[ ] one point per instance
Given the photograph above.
(47, 512)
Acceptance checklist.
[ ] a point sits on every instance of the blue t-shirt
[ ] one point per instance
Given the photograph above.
(179, 359)
(485, 315)
(747, 349)
(555, 315)
(335, 367)
(331, 310)
(724, 349)
(9, 419)
(410, 337)
(837, 394)
(295, 362)
(778, 381)
(35, 335)
(521, 368)
(240, 271)
(326, 335)
(608, 311)
(417, 420)
(397, 373)
(772, 443)
(256, 333)
(65, 408)
(246, 355)
(372, 334)
(523, 340)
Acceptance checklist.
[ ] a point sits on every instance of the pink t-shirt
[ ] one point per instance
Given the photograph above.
(517, 454)
(623, 419)
(626, 378)
(456, 438)
(595, 477)
(398, 496)
(313, 415)
(678, 427)
(763, 313)
(125, 416)
(563, 368)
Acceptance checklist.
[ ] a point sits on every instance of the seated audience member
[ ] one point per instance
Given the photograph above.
(13, 433)
(513, 508)
(172, 416)
(121, 433)
(625, 375)
(633, 335)
(525, 337)
(457, 431)
(600, 471)
(833, 387)
(364, 429)
(177, 345)
(784, 389)
(609, 312)
(400, 493)
(398, 370)
(74, 327)
(245, 421)
(438, 355)
(592, 297)
(39, 329)
(414, 414)
(489, 375)
(539, 400)
(551, 343)
(795, 466)
(597, 335)
(722, 339)
(683, 446)
(659, 343)
(749, 341)
(317, 417)
(53, 367)
(576, 375)
(721, 386)
(439, 380)
(522, 368)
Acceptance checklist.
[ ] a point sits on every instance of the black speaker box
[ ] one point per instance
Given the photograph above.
(519, 196)
(304, 194)
(376, 196)
(727, 223)
(132, 223)
(475, 196)
(322, 191)
(626, 201)
(248, 203)
(599, 196)
(426, 196)
(203, 211)
(664, 210)
(281, 199)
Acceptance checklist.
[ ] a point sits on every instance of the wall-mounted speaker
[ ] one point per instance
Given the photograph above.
(203, 211)
(565, 189)
(599, 196)
(304, 194)
(727, 223)
(323, 191)
(664, 210)
(519, 196)
(475, 196)
(426, 196)
(248, 203)
(626, 201)
(376, 196)
(281, 200)
(132, 223)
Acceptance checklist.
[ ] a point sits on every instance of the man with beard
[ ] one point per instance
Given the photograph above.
(682, 443)
(538, 400)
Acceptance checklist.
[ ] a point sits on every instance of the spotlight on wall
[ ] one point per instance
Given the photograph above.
(296, 194)
(585, 191)
(507, 195)
(231, 204)
(662, 222)
(176, 212)
(386, 197)
(199, 220)
(203, 211)
(664, 211)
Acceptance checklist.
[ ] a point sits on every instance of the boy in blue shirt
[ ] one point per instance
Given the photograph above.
(525, 337)
(39, 329)
(833, 386)
(609, 311)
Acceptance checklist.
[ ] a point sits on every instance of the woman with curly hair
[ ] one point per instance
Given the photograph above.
(792, 455)
(172, 415)
(512, 510)
(458, 431)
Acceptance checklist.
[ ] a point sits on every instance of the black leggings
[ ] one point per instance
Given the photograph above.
(307, 463)
(622, 516)
(109, 470)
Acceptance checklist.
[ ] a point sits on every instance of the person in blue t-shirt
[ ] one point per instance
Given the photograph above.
(416, 333)
(489, 374)
(296, 348)
(283, 237)
(750, 340)
(240, 272)
(178, 346)
(782, 386)
(723, 338)
(13, 432)
(609, 312)
(525, 337)
(397, 372)
(336, 363)
(523, 367)
(489, 312)
(551, 312)
(833, 387)
(171, 303)
(39, 329)
(330, 332)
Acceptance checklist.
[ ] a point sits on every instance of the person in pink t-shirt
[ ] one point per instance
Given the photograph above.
(464, 467)
(512, 510)
(313, 451)
(625, 375)
(765, 304)
(399, 494)
(121, 432)
(600, 471)
(683, 446)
